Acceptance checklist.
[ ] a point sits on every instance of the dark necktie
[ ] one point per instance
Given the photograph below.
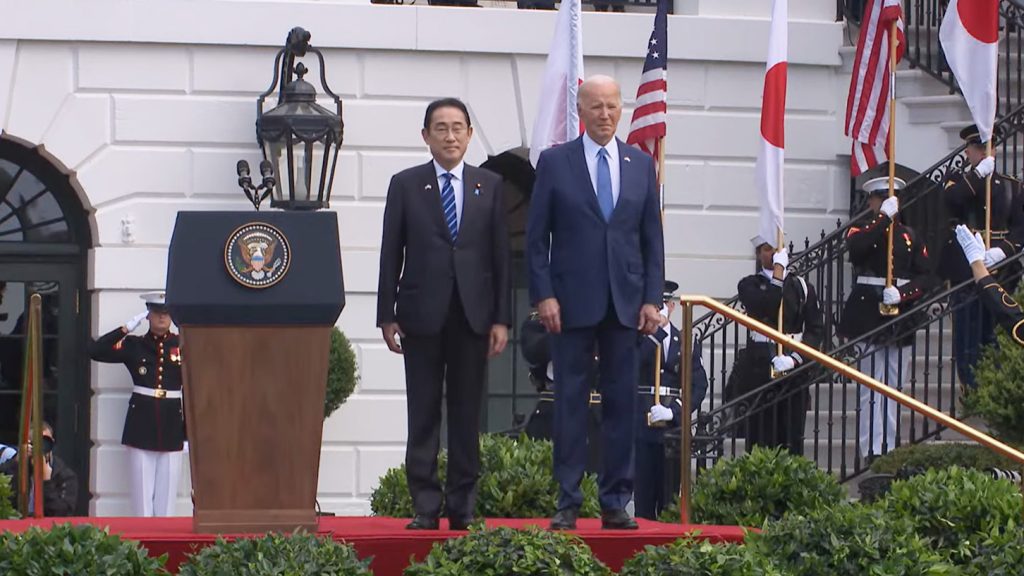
(448, 205)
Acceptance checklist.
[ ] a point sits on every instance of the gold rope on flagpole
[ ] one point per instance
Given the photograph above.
(883, 308)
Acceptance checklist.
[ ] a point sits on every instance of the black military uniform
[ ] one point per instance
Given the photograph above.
(965, 203)
(886, 356)
(649, 494)
(780, 423)
(1004, 308)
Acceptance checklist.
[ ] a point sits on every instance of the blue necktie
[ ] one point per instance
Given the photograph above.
(448, 205)
(604, 185)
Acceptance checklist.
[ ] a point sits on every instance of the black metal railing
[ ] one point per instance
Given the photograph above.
(926, 368)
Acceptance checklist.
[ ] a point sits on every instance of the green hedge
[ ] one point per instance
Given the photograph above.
(65, 549)
(341, 372)
(276, 555)
(506, 551)
(954, 507)
(516, 481)
(692, 557)
(761, 485)
(998, 553)
(999, 398)
(940, 455)
(7, 510)
(847, 540)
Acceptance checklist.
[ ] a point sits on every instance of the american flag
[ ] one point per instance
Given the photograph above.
(647, 127)
(867, 106)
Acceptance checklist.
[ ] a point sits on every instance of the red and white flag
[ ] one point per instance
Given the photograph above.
(557, 118)
(771, 155)
(872, 84)
(970, 35)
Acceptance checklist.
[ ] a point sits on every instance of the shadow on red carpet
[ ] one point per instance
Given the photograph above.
(386, 538)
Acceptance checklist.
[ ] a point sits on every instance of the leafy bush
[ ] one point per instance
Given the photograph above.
(952, 507)
(847, 540)
(74, 550)
(516, 481)
(691, 557)
(761, 485)
(998, 553)
(999, 398)
(921, 457)
(505, 551)
(341, 372)
(7, 510)
(276, 554)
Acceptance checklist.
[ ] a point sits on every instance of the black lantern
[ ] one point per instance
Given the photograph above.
(300, 139)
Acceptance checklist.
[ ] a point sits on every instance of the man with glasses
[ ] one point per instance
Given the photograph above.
(443, 303)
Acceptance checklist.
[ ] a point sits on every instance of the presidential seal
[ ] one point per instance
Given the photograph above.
(257, 255)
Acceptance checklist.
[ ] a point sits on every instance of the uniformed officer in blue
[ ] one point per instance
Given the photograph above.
(154, 428)
(649, 496)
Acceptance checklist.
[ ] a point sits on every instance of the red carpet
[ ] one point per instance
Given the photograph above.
(386, 539)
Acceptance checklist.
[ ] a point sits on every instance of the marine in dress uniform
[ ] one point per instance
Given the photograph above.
(781, 423)
(965, 203)
(649, 495)
(1003, 307)
(154, 429)
(887, 356)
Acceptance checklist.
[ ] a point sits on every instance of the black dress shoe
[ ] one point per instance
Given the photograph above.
(617, 520)
(460, 523)
(422, 523)
(564, 519)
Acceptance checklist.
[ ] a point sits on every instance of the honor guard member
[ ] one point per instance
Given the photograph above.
(1002, 306)
(154, 429)
(649, 497)
(778, 419)
(888, 352)
(965, 200)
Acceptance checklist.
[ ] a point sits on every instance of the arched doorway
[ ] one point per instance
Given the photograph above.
(44, 242)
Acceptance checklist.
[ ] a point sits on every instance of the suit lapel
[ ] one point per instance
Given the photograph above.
(429, 187)
(578, 165)
(472, 199)
(627, 173)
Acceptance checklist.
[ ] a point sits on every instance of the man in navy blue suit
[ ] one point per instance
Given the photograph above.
(596, 259)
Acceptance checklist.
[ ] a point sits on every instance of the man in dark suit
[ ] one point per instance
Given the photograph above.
(444, 291)
(596, 259)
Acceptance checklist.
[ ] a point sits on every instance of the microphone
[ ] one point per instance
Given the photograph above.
(243, 174)
(267, 170)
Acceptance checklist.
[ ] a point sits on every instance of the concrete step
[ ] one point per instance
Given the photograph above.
(914, 82)
(936, 109)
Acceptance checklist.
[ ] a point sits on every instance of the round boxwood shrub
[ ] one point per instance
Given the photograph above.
(761, 485)
(7, 510)
(999, 397)
(341, 372)
(952, 507)
(911, 458)
(692, 557)
(999, 553)
(297, 554)
(516, 481)
(847, 540)
(73, 550)
(507, 551)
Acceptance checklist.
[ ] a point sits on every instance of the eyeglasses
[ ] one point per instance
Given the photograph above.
(442, 130)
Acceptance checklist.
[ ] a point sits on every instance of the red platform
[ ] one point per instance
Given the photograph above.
(386, 538)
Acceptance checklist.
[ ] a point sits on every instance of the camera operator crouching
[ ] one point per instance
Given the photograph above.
(60, 483)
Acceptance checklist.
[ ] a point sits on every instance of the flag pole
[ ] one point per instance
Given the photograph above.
(988, 194)
(883, 308)
(661, 175)
(772, 373)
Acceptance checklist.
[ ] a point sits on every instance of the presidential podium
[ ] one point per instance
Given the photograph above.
(255, 295)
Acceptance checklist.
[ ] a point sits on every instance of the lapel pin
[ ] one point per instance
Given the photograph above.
(428, 187)
(477, 190)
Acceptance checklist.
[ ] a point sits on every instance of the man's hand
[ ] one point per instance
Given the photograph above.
(986, 166)
(47, 468)
(390, 330)
(783, 364)
(650, 319)
(660, 414)
(499, 338)
(972, 245)
(132, 324)
(890, 207)
(550, 315)
(891, 296)
(994, 256)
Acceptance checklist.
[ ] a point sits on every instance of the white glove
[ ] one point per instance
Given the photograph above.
(781, 258)
(783, 363)
(660, 414)
(972, 244)
(132, 324)
(986, 166)
(890, 207)
(994, 256)
(891, 296)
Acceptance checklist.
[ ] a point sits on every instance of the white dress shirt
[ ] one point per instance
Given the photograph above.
(590, 150)
(457, 185)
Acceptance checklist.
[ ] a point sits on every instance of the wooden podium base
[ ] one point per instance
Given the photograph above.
(244, 521)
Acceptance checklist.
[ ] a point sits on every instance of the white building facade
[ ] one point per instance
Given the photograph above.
(150, 104)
